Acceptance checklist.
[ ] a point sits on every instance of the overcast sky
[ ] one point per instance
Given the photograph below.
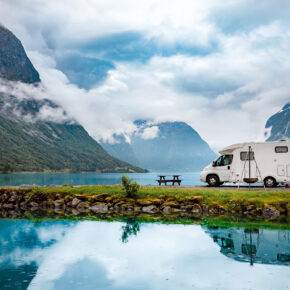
(221, 66)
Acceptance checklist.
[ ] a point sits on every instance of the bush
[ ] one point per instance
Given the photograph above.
(131, 187)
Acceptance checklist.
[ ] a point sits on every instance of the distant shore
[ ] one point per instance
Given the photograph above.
(151, 200)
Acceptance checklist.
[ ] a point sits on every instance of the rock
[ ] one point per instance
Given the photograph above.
(205, 209)
(167, 210)
(150, 209)
(82, 206)
(68, 199)
(144, 202)
(127, 207)
(188, 208)
(156, 201)
(137, 208)
(59, 203)
(270, 212)
(196, 209)
(34, 204)
(196, 199)
(8, 205)
(172, 204)
(81, 197)
(4, 197)
(13, 197)
(214, 209)
(75, 212)
(177, 210)
(110, 199)
(75, 202)
(99, 207)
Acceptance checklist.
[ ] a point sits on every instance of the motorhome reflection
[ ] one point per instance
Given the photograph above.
(265, 162)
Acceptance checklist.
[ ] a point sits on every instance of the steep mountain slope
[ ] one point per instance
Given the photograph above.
(278, 126)
(168, 146)
(121, 148)
(36, 134)
(14, 63)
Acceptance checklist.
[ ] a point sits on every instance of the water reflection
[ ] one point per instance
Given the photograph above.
(132, 227)
(253, 245)
(118, 255)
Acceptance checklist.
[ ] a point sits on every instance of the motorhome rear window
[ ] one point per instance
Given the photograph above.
(245, 155)
(281, 149)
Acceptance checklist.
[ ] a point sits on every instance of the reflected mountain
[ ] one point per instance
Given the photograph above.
(253, 245)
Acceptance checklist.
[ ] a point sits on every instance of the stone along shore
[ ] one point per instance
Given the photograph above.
(18, 199)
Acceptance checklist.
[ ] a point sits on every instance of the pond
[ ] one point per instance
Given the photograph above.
(132, 255)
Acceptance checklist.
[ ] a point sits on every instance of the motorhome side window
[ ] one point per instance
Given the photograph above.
(281, 149)
(224, 160)
(245, 155)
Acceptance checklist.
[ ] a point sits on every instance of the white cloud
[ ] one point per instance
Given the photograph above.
(150, 133)
(226, 94)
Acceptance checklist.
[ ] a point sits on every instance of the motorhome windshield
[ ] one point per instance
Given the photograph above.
(224, 160)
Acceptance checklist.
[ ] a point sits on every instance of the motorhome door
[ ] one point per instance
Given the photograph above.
(223, 167)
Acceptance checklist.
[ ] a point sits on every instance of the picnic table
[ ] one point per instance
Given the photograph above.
(174, 179)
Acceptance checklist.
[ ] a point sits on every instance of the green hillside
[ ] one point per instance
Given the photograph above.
(55, 147)
(29, 142)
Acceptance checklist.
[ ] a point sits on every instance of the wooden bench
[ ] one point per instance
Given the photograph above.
(173, 180)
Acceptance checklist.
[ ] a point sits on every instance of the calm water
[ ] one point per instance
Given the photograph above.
(129, 255)
(90, 179)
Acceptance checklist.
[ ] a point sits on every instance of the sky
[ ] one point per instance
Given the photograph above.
(221, 66)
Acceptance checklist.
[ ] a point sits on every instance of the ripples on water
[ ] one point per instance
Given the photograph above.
(130, 255)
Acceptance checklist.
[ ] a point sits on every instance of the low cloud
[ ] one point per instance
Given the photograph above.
(150, 133)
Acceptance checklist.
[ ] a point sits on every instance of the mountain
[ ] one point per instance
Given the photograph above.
(14, 63)
(167, 146)
(36, 134)
(121, 148)
(278, 126)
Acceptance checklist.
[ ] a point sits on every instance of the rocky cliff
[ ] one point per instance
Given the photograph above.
(278, 125)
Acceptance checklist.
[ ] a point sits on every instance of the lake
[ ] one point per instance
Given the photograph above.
(90, 178)
(131, 255)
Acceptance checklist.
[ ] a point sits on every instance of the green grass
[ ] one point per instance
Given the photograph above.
(209, 196)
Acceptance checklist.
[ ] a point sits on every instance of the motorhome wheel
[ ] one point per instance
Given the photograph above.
(270, 182)
(213, 180)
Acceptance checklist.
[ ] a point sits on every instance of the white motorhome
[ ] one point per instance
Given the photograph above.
(269, 163)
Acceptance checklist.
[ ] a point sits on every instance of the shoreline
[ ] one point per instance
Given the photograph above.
(154, 201)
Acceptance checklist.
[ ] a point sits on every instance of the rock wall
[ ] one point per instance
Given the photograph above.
(23, 200)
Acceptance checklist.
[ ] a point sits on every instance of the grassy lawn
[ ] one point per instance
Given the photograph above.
(208, 195)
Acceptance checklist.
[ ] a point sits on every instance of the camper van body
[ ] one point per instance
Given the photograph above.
(270, 164)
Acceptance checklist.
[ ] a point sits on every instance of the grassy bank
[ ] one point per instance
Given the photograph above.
(208, 195)
(149, 200)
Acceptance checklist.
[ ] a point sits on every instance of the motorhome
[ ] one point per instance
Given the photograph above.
(264, 162)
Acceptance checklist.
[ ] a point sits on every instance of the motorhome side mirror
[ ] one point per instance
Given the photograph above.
(214, 164)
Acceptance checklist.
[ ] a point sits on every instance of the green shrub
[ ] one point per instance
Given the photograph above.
(64, 185)
(131, 187)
